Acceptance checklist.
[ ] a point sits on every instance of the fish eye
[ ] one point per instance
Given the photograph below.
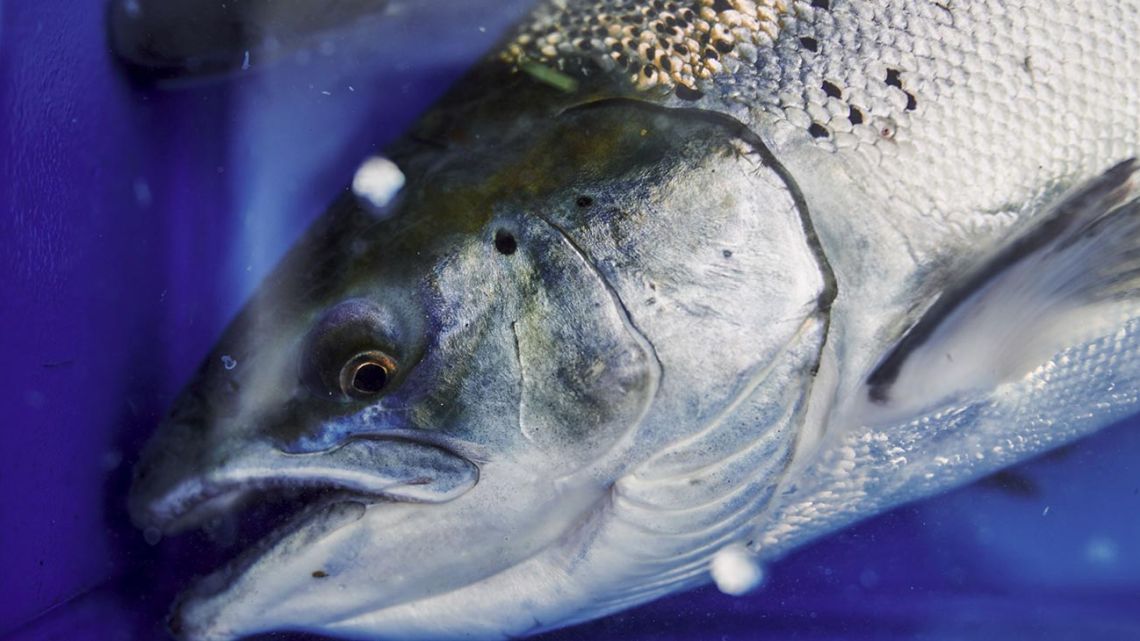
(366, 374)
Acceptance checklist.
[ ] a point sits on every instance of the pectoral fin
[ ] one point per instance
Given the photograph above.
(1057, 280)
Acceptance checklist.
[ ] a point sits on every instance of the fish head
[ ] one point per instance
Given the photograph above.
(444, 388)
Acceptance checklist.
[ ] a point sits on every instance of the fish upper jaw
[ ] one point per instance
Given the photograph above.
(368, 469)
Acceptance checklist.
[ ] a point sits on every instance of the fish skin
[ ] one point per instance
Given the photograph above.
(745, 339)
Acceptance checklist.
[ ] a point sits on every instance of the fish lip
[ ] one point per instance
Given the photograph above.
(195, 500)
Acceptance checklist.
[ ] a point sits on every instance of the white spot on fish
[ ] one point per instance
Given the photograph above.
(735, 570)
(376, 182)
(1045, 512)
(228, 361)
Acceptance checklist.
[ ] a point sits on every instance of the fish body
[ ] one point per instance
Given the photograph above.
(669, 291)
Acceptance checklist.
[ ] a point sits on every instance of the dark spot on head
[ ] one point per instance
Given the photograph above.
(854, 115)
(584, 44)
(810, 44)
(727, 253)
(320, 574)
(584, 201)
(893, 78)
(651, 53)
(648, 70)
(505, 242)
(821, 4)
(686, 93)
(911, 102)
(681, 49)
(721, 5)
(830, 89)
(665, 64)
(711, 53)
(723, 46)
(817, 130)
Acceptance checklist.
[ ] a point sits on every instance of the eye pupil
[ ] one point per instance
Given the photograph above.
(366, 375)
(369, 378)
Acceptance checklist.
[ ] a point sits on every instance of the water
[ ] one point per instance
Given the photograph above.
(136, 221)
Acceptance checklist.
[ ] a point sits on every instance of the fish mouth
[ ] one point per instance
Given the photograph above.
(261, 500)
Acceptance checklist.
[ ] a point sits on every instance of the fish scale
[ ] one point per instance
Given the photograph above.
(1027, 84)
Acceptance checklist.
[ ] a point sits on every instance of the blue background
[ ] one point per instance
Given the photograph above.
(136, 220)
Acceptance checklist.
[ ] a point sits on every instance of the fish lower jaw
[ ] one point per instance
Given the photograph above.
(195, 615)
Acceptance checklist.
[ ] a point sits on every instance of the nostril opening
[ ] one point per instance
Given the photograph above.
(505, 242)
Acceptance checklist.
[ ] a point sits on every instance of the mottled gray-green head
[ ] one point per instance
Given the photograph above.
(454, 386)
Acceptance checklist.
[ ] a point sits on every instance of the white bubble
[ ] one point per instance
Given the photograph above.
(735, 570)
(376, 182)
